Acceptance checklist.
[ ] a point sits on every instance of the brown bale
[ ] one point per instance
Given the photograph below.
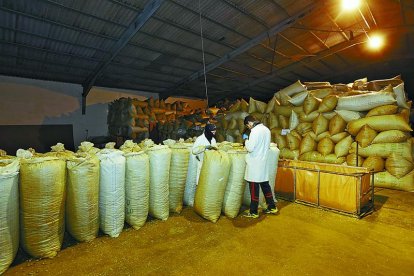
(310, 104)
(326, 146)
(398, 166)
(365, 136)
(328, 103)
(374, 163)
(320, 124)
(336, 125)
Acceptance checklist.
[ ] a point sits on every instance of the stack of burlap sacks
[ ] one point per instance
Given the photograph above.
(327, 123)
(137, 115)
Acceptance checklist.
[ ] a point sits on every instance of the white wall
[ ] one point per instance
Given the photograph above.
(36, 102)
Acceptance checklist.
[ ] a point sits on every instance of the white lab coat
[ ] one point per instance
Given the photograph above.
(258, 146)
(198, 150)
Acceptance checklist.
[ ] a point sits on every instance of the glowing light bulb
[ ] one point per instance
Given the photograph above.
(375, 41)
(349, 5)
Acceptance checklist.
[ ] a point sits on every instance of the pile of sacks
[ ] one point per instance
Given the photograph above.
(96, 189)
(359, 124)
(134, 116)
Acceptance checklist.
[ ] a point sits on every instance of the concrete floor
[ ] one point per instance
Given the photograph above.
(301, 240)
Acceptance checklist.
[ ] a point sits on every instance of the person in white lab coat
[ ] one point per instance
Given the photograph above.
(257, 175)
(205, 141)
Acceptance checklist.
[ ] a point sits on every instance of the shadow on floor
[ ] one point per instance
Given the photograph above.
(379, 200)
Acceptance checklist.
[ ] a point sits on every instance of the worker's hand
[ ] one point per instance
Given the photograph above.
(245, 136)
(210, 147)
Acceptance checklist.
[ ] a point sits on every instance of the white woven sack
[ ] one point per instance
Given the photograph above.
(400, 95)
(137, 179)
(348, 115)
(160, 159)
(272, 160)
(112, 192)
(293, 120)
(180, 156)
(9, 212)
(292, 89)
(233, 195)
(82, 197)
(191, 180)
(299, 98)
(365, 102)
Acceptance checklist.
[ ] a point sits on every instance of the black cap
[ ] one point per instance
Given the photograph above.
(210, 127)
(249, 118)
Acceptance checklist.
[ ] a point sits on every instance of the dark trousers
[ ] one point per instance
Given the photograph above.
(254, 195)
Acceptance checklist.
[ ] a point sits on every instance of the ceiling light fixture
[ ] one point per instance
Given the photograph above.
(350, 5)
(375, 41)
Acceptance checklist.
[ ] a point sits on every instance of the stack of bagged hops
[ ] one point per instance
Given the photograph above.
(132, 118)
(326, 122)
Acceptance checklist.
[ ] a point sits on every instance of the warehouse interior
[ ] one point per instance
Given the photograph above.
(69, 69)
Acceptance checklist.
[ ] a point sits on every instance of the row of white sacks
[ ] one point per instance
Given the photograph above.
(103, 188)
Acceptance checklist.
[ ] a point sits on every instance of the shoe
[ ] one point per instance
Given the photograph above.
(250, 215)
(272, 211)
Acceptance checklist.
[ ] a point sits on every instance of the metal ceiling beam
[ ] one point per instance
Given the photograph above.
(337, 26)
(83, 58)
(54, 39)
(245, 12)
(195, 33)
(79, 68)
(42, 19)
(253, 42)
(89, 15)
(319, 56)
(149, 9)
(49, 51)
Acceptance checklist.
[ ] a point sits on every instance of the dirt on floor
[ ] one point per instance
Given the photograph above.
(300, 240)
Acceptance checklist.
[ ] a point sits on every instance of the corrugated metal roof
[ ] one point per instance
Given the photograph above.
(78, 41)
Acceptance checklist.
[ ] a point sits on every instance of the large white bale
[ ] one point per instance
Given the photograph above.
(9, 211)
(112, 192)
(365, 102)
(292, 89)
(212, 184)
(180, 156)
(379, 123)
(160, 160)
(272, 161)
(82, 197)
(299, 98)
(349, 115)
(293, 120)
(191, 180)
(42, 205)
(137, 179)
(233, 195)
(400, 95)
